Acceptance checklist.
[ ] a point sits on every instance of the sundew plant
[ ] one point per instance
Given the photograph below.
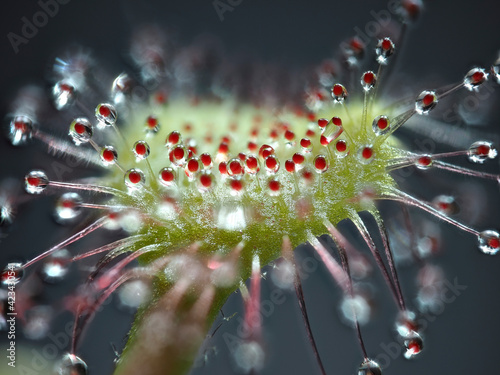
(182, 178)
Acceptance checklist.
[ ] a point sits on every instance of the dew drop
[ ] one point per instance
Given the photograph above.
(134, 178)
(426, 101)
(339, 93)
(235, 168)
(366, 154)
(480, 151)
(121, 88)
(173, 139)
(70, 364)
(56, 266)
(424, 162)
(108, 155)
(385, 48)
(68, 207)
(193, 166)
(272, 164)
(320, 164)
(151, 125)
(20, 130)
(106, 114)
(369, 367)
(306, 145)
(475, 78)
(167, 176)
(368, 80)
(141, 150)
(381, 125)
(12, 273)
(178, 156)
(63, 95)
(489, 242)
(252, 165)
(35, 182)
(80, 130)
(205, 181)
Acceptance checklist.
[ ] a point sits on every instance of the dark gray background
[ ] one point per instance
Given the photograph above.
(449, 38)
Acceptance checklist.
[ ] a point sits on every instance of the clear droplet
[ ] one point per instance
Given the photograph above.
(70, 364)
(339, 93)
(35, 182)
(424, 162)
(193, 167)
(20, 130)
(381, 125)
(369, 367)
(426, 101)
(141, 150)
(252, 165)
(63, 95)
(366, 154)
(152, 125)
(489, 242)
(56, 266)
(108, 155)
(134, 178)
(205, 181)
(68, 207)
(413, 345)
(368, 80)
(385, 48)
(474, 78)
(481, 151)
(320, 164)
(272, 164)
(12, 273)
(167, 176)
(80, 130)
(106, 114)
(178, 156)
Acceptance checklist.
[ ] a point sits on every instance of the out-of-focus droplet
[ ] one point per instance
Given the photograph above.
(134, 294)
(68, 207)
(425, 102)
(481, 151)
(355, 307)
(55, 267)
(63, 95)
(121, 88)
(406, 323)
(20, 130)
(445, 204)
(80, 130)
(283, 275)
(37, 322)
(106, 114)
(249, 356)
(12, 273)
(489, 242)
(339, 93)
(70, 364)
(35, 182)
(495, 70)
(369, 367)
(413, 345)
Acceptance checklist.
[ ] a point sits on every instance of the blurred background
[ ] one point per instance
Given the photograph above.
(448, 39)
